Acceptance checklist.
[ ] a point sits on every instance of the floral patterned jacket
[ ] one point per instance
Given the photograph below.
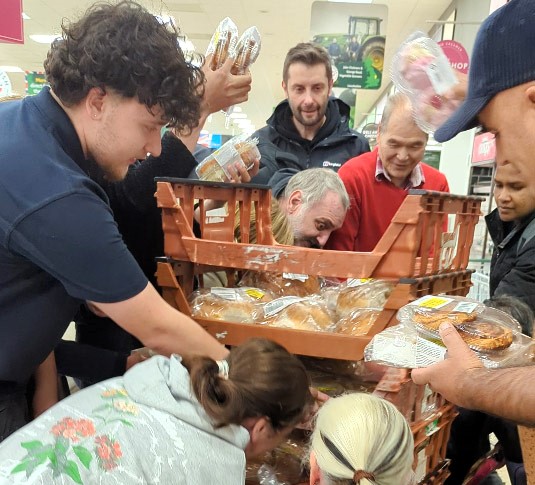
(144, 428)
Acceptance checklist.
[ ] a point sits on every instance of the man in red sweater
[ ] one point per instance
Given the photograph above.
(377, 182)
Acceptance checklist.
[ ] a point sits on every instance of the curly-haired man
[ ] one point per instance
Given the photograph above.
(116, 77)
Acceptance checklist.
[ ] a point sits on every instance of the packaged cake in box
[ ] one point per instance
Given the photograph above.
(421, 70)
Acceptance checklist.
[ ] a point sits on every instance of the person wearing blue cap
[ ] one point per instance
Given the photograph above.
(500, 98)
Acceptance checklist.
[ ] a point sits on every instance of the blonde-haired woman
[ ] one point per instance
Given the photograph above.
(361, 439)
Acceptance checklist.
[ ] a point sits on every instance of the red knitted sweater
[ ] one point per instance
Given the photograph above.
(373, 203)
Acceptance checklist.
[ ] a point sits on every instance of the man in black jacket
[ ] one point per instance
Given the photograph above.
(309, 129)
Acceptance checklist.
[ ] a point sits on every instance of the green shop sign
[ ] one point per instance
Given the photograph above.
(35, 81)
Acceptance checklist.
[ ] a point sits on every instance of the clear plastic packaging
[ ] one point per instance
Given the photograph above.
(247, 51)
(402, 346)
(283, 284)
(494, 335)
(223, 43)
(421, 70)
(298, 314)
(357, 293)
(241, 150)
(358, 322)
(239, 305)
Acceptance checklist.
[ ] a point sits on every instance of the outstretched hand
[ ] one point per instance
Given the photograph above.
(452, 375)
(224, 89)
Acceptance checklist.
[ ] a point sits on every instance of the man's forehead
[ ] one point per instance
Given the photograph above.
(302, 70)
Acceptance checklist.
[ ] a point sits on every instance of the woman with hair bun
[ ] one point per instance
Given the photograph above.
(360, 439)
(188, 420)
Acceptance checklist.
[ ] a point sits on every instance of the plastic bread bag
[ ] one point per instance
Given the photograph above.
(358, 322)
(362, 293)
(283, 284)
(239, 305)
(403, 346)
(247, 51)
(223, 43)
(298, 314)
(241, 150)
(421, 70)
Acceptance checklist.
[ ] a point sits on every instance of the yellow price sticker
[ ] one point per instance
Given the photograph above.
(434, 302)
(254, 293)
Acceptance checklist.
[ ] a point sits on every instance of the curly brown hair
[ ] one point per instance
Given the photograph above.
(125, 48)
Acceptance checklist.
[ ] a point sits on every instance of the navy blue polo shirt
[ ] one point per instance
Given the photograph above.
(59, 243)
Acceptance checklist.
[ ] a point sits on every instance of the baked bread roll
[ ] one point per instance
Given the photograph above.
(486, 335)
(212, 307)
(348, 297)
(303, 316)
(282, 284)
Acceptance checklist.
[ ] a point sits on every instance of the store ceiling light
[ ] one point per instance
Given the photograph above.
(10, 69)
(44, 38)
(25, 17)
(238, 115)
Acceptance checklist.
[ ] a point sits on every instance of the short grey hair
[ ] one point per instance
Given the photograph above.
(398, 101)
(314, 184)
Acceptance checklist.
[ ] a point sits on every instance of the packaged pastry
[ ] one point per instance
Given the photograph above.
(223, 43)
(481, 327)
(298, 314)
(283, 284)
(358, 322)
(241, 150)
(494, 335)
(356, 293)
(421, 70)
(239, 305)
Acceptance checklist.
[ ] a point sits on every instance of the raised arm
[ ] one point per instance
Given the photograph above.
(462, 379)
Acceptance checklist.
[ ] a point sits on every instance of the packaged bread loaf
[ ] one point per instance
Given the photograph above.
(247, 51)
(357, 293)
(298, 314)
(239, 305)
(223, 43)
(240, 150)
(283, 284)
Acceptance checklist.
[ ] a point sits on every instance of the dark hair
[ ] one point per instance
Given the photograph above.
(309, 54)
(125, 48)
(515, 307)
(264, 380)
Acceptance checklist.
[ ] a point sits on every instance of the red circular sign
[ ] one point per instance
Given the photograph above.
(456, 54)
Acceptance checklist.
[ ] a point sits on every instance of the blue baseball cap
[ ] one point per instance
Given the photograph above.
(502, 58)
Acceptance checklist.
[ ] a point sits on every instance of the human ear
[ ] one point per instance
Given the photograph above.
(285, 88)
(294, 201)
(94, 103)
(530, 94)
(314, 469)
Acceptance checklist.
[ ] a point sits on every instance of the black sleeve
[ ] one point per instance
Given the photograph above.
(136, 191)
(88, 363)
(520, 280)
